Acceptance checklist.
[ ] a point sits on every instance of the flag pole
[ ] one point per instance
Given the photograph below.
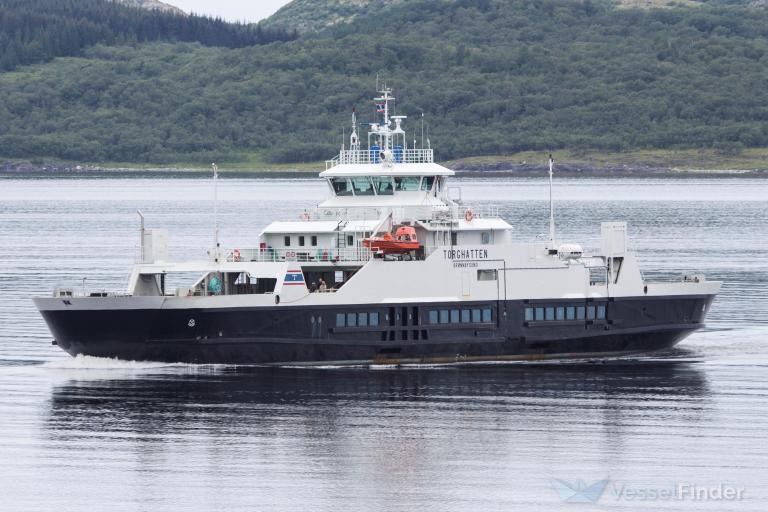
(216, 208)
(551, 204)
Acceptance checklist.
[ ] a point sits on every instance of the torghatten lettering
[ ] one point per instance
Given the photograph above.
(465, 254)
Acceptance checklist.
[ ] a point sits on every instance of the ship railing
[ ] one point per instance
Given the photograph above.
(437, 214)
(299, 254)
(374, 156)
(456, 212)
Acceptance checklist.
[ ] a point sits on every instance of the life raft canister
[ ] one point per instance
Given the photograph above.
(469, 215)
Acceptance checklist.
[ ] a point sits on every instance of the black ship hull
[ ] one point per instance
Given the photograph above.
(384, 334)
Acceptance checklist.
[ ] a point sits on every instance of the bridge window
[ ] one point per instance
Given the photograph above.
(427, 182)
(383, 185)
(407, 183)
(362, 186)
(341, 186)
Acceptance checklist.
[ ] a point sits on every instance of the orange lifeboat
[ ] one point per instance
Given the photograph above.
(404, 240)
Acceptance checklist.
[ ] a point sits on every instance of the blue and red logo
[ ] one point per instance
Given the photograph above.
(294, 278)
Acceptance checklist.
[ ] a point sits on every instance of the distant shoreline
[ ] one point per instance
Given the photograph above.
(649, 164)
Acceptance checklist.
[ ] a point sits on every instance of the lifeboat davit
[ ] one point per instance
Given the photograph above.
(404, 240)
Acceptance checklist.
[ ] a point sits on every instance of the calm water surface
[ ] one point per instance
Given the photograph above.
(92, 434)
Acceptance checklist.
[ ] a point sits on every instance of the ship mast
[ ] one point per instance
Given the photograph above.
(354, 140)
(551, 204)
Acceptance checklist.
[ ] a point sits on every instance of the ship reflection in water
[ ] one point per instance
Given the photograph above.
(442, 438)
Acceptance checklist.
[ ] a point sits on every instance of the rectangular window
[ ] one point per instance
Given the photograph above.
(601, 312)
(485, 237)
(443, 316)
(590, 312)
(287, 241)
(570, 313)
(383, 185)
(454, 238)
(362, 319)
(374, 319)
(351, 320)
(539, 314)
(465, 316)
(560, 313)
(314, 241)
(487, 275)
(529, 314)
(341, 320)
(362, 186)
(454, 316)
(433, 317)
(407, 184)
(487, 315)
(427, 182)
(550, 314)
(341, 186)
(580, 313)
(350, 240)
(476, 316)
(301, 241)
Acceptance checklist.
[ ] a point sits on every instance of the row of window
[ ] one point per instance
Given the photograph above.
(438, 316)
(302, 241)
(357, 319)
(559, 313)
(460, 316)
(380, 185)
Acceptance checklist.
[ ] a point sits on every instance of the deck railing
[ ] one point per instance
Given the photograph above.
(313, 254)
(374, 156)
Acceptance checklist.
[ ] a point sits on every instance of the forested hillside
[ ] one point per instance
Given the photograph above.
(39, 30)
(492, 76)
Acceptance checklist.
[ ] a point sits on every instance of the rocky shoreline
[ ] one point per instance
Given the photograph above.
(588, 170)
(462, 168)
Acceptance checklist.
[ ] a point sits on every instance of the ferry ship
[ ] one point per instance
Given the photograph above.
(392, 268)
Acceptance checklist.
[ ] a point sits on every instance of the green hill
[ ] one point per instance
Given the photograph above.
(493, 77)
(152, 4)
(312, 16)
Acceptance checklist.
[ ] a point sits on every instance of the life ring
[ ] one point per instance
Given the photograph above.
(469, 215)
(236, 255)
(305, 216)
